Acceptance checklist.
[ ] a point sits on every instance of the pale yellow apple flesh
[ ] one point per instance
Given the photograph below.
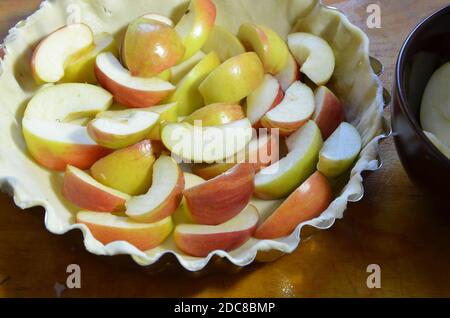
(52, 110)
(108, 228)
(289, 74)
(224, 43)
(187, 94)
(293, 112)
(164, 196)
(54, 52)
(120, 129)
(284, 176)
(438, 144)
(178, 72)
(128, 170)
(85, 192)
(167, 114)
(201, 240)
(314, 55)
(207, 144)
(81, 70)
(263, 99)
(435, 109)
(340, 151)
(130, 91)
(182, 215)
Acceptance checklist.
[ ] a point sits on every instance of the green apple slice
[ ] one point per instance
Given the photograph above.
(224, 43)
(283, 177)
(207, 144)
(340, 151)
(187, 95)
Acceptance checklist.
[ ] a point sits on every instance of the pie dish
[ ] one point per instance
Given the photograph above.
(354, 82)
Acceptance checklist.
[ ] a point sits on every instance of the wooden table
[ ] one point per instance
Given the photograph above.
(394, 226)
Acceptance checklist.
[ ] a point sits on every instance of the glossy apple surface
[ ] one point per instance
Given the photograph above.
(340, 151)
(283, 177)
(224, 43)
(51, 110)
(164, 196)
(187, 94)
(120, 129)
(85, 192)
(128, 170)
(234, 80)
(201, 240)
(270, 47)
(314, 55)
(128, 90)
(54, 52)
(306, 203)
(222, 198)
(108, 228)
(293, 112)
(151, 46)
(329, 112)
(196, 25)
(216, 115)
(198, 144)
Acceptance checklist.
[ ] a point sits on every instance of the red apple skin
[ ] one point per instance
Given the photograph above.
(89, 197)
(304, 204)
(276, 102)
(285, 129)
(331, 114)
(203, 245)
(222, 198)
(129, 97)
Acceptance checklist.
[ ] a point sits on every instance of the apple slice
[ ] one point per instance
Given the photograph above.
(56, 50)
(306, 203)
(289, 74)
(164, 196)
(280, 179)
(182, 215)
(128, 170)
(266, 97)
(196, 25)
(340, 151)
(233, 80)
(216, 115)
(435, 108)
(438, 144)
(108, 228)
(201, 240)
(51, 110)
(187, 95)
(85, 192)
(223, 197)
(167, 114)
(178, 72)
(207, 144)
(270, 47)
(134, 92)
(120, 129)
(81, 70)
(314, 55)
(262, 151)
(293, 112)
(151, 46)
(224, 43)
(329, 112)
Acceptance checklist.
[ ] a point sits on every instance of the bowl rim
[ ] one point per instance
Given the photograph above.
(400, 83)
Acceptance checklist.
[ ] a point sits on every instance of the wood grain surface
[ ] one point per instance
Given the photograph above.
(394, 226)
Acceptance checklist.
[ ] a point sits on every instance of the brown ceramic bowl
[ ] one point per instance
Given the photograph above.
(425, 50)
